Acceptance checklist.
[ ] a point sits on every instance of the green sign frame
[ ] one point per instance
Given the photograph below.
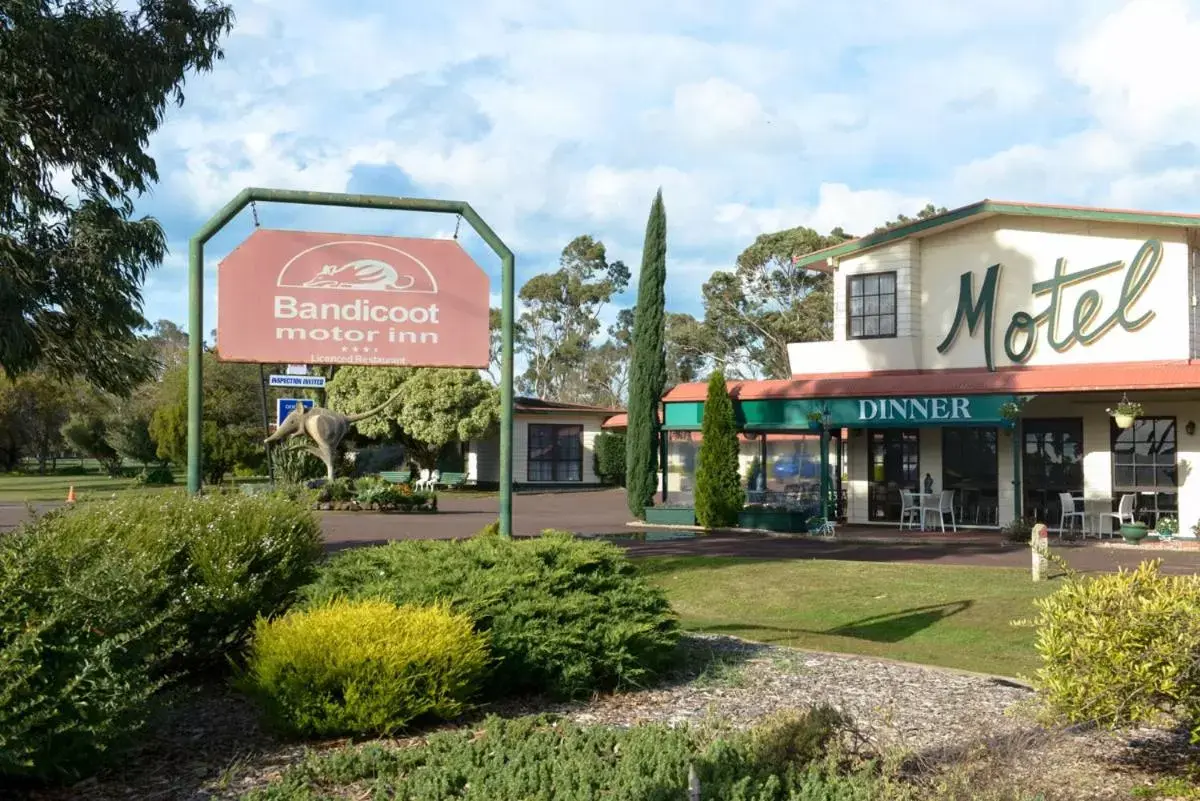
(252, 194)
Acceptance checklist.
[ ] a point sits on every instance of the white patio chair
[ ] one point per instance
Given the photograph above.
(1124, 514)
(1070, 512)
(434, 478)
(909, 511)
(944, 506)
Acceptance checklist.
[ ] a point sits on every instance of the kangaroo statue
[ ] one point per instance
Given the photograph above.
(325, 427)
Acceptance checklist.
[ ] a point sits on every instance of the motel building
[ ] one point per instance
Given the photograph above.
(982, 355)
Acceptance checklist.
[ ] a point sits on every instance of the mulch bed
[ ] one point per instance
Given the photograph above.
(211, 745)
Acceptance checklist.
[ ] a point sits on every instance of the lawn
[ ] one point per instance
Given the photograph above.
(951, 616)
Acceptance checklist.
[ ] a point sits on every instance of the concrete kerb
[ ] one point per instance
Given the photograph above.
(836, 537)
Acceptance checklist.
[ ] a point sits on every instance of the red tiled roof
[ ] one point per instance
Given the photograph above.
(975, 381)
(622, 420)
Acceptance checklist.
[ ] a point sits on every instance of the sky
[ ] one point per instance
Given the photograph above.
(555, 119)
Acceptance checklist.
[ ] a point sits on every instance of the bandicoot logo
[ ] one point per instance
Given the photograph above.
(359, 266)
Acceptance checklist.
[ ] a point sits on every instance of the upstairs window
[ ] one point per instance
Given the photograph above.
(871, 306)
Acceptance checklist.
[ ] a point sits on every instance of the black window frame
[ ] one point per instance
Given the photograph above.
(556, 463)
(1149, 496)
(860, 278)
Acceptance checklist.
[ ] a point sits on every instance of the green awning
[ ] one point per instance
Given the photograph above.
(793, 414)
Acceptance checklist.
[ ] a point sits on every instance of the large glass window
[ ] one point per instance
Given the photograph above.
(1052, 462)
(970, 467)
(794, 463)
(871, 306)
(682, 449)
(1144, 463)
(555, 453)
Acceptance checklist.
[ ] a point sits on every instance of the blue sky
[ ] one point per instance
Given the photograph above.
(555, 119)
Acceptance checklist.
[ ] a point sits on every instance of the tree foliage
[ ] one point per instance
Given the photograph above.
(930, 210)
(562, 316)
(85, 84)
(435, 407)
(647, 373)
(232, 433)
(719, 494)
(33, 409)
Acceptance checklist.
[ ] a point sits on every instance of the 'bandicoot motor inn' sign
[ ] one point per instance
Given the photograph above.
(321, 298)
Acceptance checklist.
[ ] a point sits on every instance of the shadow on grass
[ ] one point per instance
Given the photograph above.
(890, 628)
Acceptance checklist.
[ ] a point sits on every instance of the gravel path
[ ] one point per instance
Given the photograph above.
(212, 746)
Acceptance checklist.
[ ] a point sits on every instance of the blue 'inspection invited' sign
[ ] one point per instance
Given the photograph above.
(306, 381)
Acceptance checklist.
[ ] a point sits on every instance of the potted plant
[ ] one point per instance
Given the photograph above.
(814, 419)
(1167, 527)
(1126, 412)
(1134, 532)
(1010, 410)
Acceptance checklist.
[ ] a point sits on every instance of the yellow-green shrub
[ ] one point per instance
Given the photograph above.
(364, 667)
(1122, 648)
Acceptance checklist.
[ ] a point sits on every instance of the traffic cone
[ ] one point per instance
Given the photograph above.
(71, 494)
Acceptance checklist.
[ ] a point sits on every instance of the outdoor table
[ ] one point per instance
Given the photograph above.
(920, 496)
(1094, 499)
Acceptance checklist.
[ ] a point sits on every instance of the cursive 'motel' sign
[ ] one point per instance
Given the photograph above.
(1020, 339)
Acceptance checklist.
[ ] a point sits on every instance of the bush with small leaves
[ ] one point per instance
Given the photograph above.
(364, 667)
(566, 617)
(102, 604)
(1122, 648)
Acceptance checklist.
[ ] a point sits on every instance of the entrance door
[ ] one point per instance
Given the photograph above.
(895, 455)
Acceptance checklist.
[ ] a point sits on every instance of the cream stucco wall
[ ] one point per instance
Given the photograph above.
(928, 272)
(483, 459)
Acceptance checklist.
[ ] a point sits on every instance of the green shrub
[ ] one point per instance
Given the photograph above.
(365, 667)
(100, 604)
(565, 616)
(1124, 648)
(545, 758)
(609, 455)
(378, 458)
(155, 476)
(719, 496)
(83, 649)
(294, 464)
(378, 493)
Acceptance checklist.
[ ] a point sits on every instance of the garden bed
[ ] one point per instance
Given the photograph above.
(213, 746)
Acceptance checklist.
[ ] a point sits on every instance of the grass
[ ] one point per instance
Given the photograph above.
(94, 482)
(958, 617)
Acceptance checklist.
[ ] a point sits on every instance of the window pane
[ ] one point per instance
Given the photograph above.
(856, 306)
(887, 284)
(1166, 476)
(1122, 476)
(856, 327)
(871, 305)
(569, 471)
(1144, 476)
(887, 326)
(887, 304)
(870, 326)
(870, 285)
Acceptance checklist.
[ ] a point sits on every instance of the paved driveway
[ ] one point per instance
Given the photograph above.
(604, 512)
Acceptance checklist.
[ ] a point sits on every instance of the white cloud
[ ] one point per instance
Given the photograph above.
(555, 119)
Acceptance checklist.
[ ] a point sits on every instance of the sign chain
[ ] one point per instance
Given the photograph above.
(254, 211)
(457, 222)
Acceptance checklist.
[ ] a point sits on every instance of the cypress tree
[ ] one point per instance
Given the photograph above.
(719, 493)
(647, 369)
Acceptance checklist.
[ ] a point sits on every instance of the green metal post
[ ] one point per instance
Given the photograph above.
(195, 360)
(825, 471)
(1016, 466)
(196, 309)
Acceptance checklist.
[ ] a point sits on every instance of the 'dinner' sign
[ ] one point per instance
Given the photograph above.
(323, 298)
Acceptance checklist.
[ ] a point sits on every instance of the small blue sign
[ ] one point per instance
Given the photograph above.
(284, 407)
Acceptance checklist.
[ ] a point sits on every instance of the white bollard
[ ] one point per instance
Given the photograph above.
(1039, 546)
